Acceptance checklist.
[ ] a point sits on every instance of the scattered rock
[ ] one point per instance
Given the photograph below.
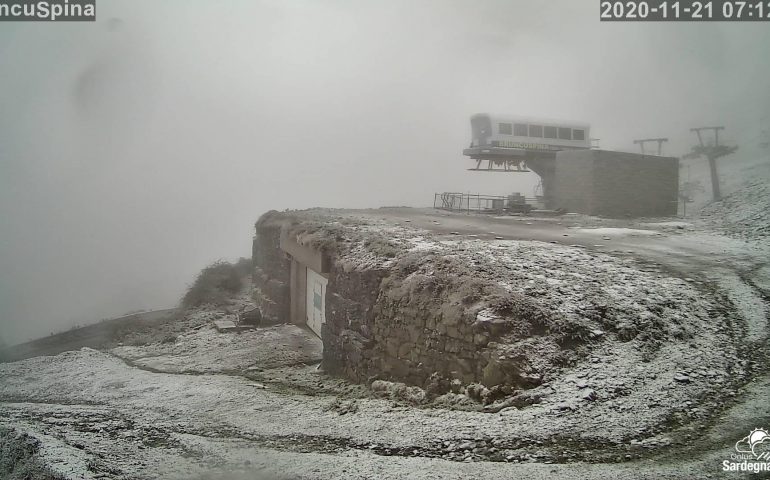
(456, 386)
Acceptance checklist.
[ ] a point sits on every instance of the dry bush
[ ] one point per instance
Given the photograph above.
(216, 283)
(19, 457)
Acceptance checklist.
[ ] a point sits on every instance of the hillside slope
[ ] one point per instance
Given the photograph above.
(745, 210)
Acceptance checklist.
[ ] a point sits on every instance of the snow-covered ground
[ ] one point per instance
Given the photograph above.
(743, 210)
(204, 350)
(96, 417)
(606, 231)
(203, 404)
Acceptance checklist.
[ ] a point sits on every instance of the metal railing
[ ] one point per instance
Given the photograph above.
(469, 202)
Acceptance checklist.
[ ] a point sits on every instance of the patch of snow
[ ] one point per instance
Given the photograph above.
(420, 244)
(207, 351)
(752, 307)
(673, 224)
(619, 231)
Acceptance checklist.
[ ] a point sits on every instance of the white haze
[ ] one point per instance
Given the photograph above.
(137, 149)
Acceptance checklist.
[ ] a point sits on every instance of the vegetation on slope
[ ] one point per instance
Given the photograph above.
(217, 282)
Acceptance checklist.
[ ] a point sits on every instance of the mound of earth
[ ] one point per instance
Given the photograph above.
(535, 322)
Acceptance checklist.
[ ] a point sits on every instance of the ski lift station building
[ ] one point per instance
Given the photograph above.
(575, 177)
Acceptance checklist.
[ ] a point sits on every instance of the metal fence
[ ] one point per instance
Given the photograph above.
(483, 203)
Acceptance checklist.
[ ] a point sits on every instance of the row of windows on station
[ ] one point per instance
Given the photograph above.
(540, 131)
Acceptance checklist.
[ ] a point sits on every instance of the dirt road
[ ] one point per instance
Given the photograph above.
(676, 245)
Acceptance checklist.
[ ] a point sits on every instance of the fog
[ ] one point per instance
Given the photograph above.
(138, 149)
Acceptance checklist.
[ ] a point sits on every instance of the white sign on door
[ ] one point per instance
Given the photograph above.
(316, 300)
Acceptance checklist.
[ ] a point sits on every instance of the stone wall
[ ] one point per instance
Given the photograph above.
(351, 347)
(271, 274)
(387, 325)
(616, 184)
(419, 319)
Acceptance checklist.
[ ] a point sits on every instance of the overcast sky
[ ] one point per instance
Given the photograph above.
(137, 149)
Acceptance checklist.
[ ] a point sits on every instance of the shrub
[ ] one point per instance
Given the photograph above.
(215, 284)
(244, 266)
(19, 457)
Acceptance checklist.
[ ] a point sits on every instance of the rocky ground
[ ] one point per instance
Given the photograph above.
(743, 210)
(664, 386)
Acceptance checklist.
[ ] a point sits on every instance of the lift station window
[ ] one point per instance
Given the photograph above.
(520, 129)
(536, 131)
(565, 133)
(505, 128)
(550, 132)
(578, 134)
